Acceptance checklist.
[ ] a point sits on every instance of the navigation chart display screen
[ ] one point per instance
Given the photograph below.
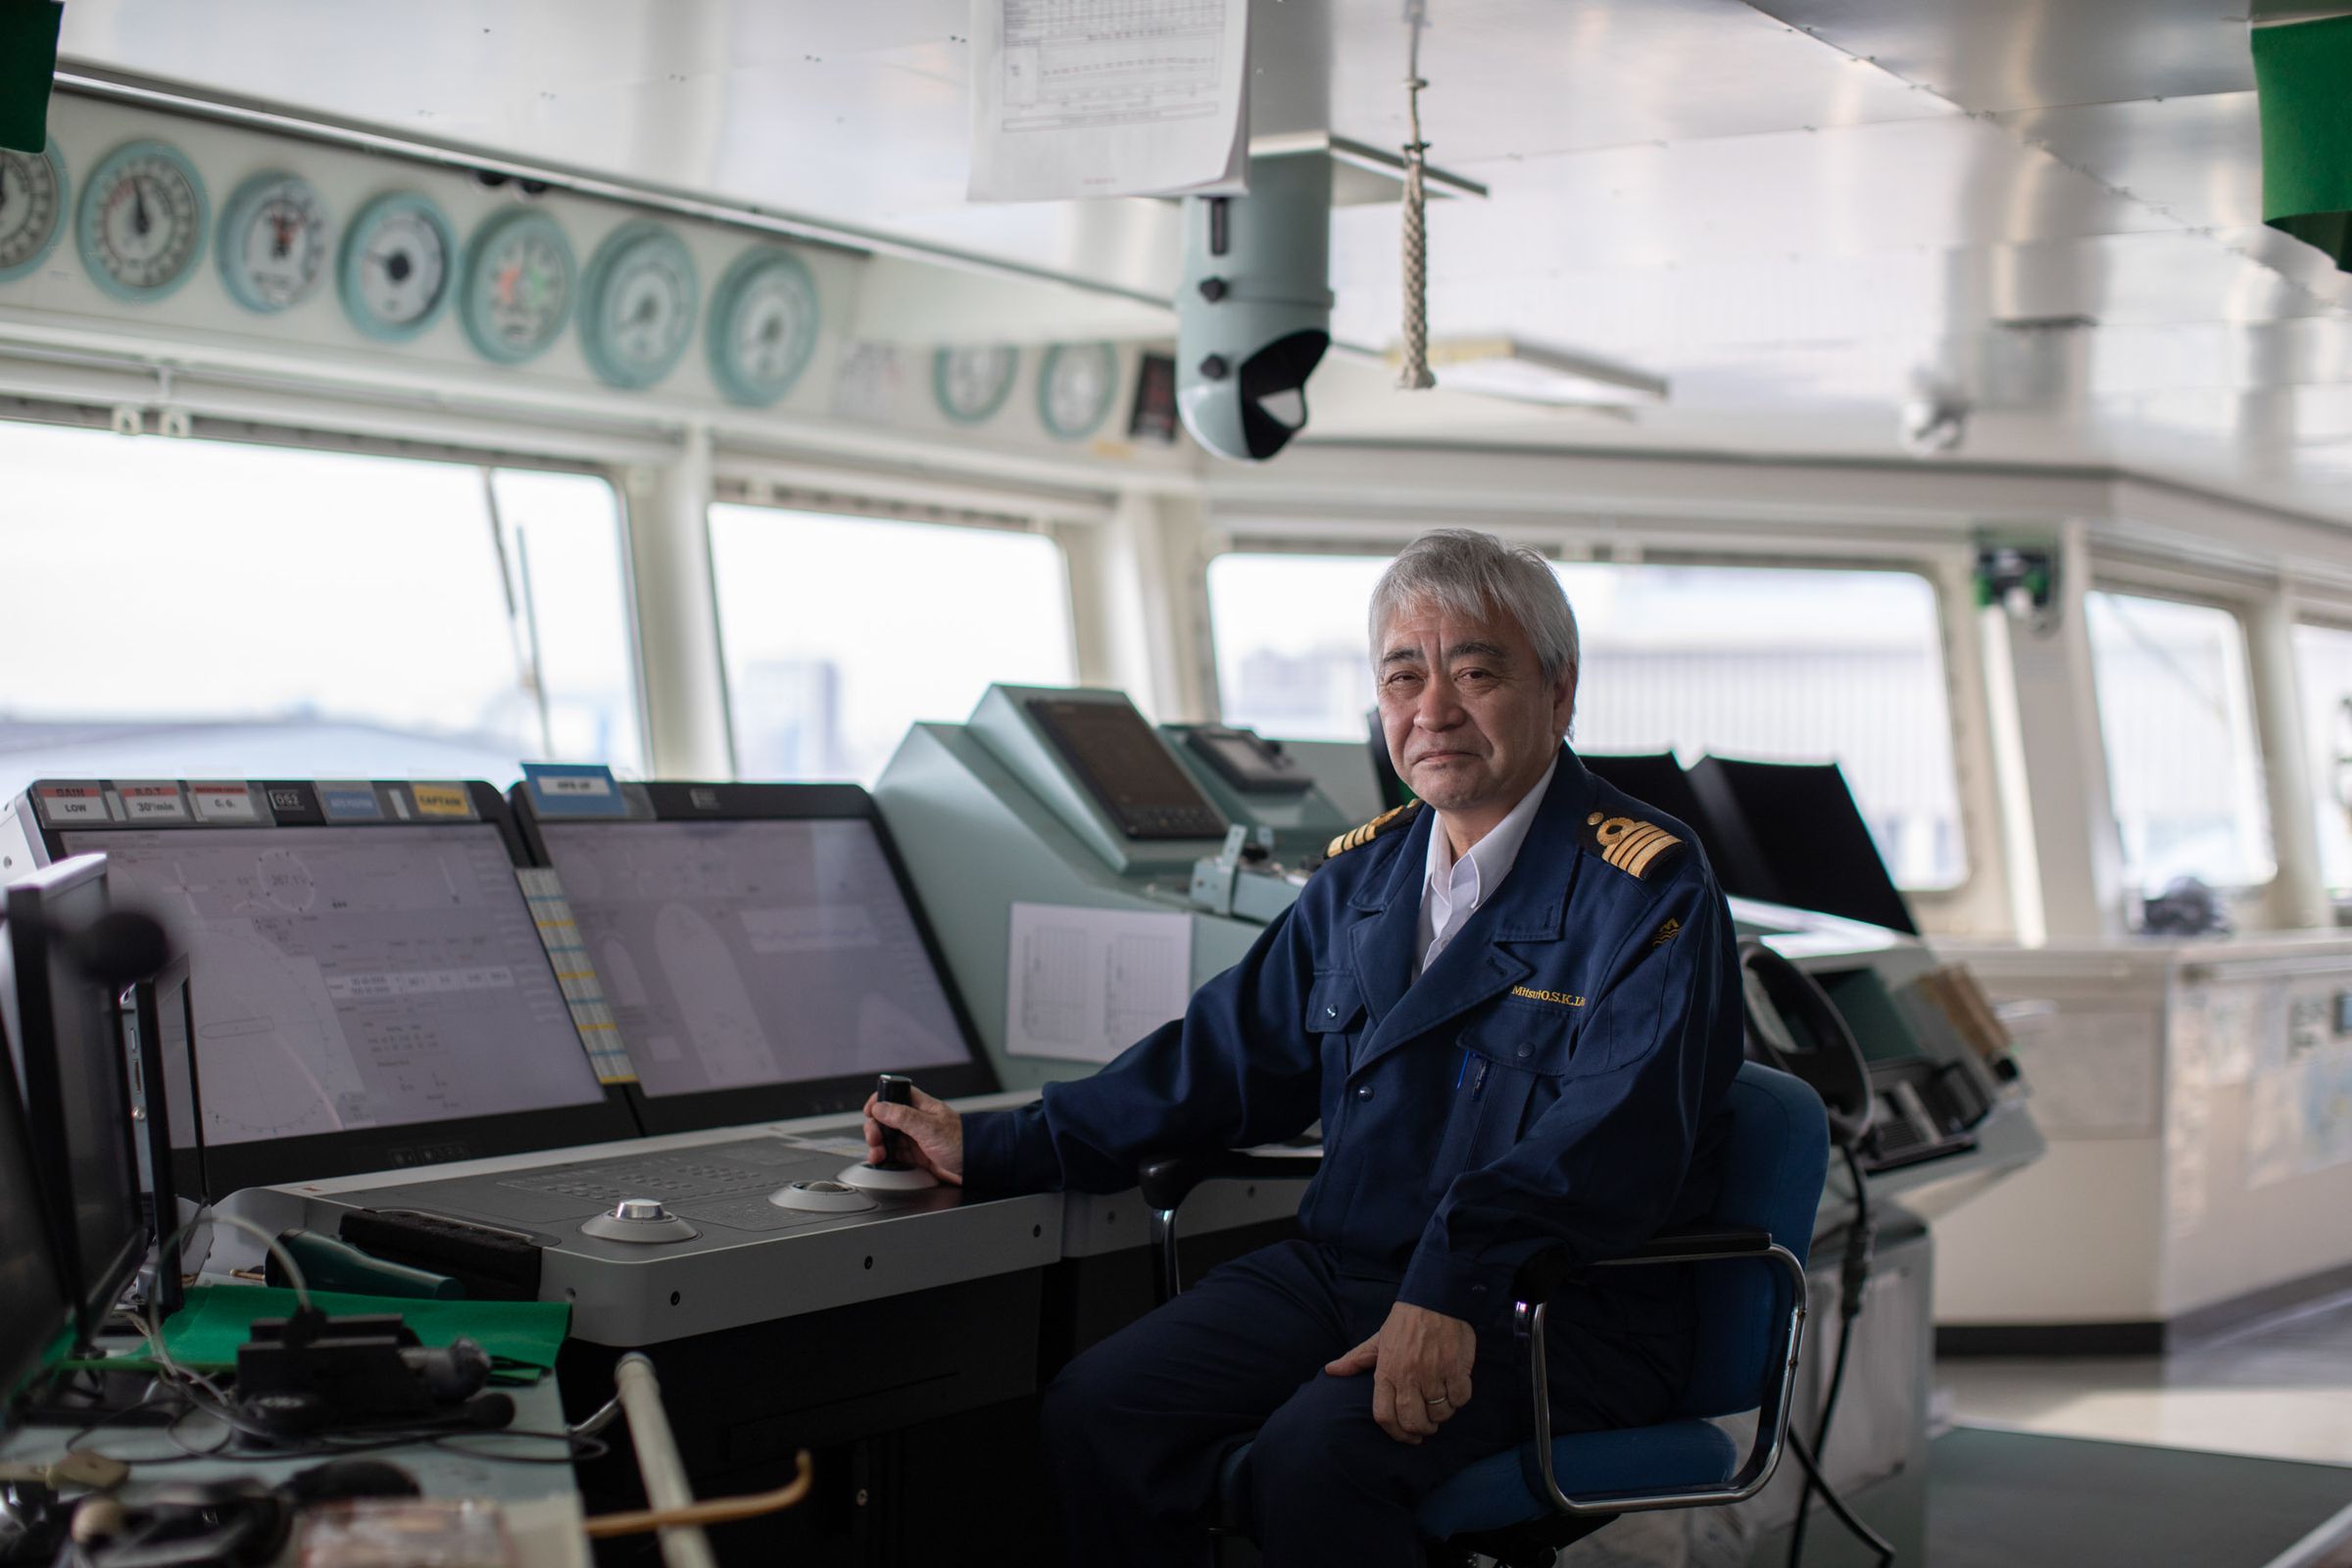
(751, 952)
(354, 977)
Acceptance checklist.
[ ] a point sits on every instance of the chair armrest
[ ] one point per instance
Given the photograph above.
(1541, 1277)
(1167, 1179)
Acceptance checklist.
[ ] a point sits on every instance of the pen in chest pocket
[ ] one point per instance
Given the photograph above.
(1478, 1080)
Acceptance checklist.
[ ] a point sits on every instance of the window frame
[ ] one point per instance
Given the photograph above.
(861, 507)
(2240, 600)
(486, 460)
(1959, 668)
(2328, 615)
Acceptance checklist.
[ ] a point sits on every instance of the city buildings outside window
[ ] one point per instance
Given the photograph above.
(1768, 663)
(841, 632)
(209, 609)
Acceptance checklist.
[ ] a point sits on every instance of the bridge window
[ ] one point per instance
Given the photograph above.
(2184, 771)
(840, 632)
(214, 609)
(2323, 671)
(1766, 663)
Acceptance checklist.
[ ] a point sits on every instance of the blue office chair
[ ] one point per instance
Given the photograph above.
(1522, 1505)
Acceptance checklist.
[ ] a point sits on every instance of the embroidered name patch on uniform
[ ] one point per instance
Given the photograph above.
(1563, 998)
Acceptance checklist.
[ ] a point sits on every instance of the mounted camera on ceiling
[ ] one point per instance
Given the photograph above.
(1253, 312)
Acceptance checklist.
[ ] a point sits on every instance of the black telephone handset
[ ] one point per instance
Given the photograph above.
(1794, 1026)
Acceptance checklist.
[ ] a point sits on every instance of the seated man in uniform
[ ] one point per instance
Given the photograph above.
(1513, 1006)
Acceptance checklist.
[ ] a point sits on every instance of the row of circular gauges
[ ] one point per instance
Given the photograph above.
(142, 224)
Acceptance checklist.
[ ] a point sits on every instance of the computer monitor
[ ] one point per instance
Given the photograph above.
(370, 989)
(1130, 770)
(36, 1316)
(761, 950)
(1657, 779)
(1812, 847)
(75, 1085)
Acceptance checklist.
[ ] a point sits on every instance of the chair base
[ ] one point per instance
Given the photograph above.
(1529, 1546)
(1533, 1545)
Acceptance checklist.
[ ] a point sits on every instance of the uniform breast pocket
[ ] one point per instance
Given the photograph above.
(1335, 1017)
(1510, 1074)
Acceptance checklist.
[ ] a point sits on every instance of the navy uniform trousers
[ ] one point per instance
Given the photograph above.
(1137, 1428)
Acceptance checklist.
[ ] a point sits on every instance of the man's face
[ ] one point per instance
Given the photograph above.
(1471, 723)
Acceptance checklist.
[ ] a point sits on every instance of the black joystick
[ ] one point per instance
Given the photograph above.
(897, 1170)
(898, 1149)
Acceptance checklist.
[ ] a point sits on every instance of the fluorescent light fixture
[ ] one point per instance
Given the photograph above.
(1534, 373)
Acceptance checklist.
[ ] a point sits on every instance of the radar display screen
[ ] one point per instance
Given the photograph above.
(746, 953)
(348, 978)
(1129, 770)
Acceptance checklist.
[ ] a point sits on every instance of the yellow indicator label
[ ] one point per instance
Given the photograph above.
(441, 800)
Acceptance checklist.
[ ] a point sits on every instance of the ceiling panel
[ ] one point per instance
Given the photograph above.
(1940, 183)
(2197, 158)
(2031, 54)
(1522, 78)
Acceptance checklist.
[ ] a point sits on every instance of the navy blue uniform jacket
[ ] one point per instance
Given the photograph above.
(1554, 1077)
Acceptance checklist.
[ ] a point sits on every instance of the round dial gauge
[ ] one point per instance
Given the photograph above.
(519, 282)
(972, 382)
(765, 320)
(397, 263)
(637, 305)
(32, 209)
(273, 242)
(141, 224)
(1075, 388)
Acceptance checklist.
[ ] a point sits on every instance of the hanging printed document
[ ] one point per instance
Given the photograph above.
(1076, 98)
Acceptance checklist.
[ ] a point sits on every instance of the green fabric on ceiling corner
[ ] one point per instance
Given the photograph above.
(2303, 84)
(27, 66)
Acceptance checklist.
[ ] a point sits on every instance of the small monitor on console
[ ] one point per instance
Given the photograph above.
(759, 947)
(75, 1084)
(35, 1310)
(369, 986)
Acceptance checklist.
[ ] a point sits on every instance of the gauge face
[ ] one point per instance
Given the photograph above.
(1075, 388)
(972, 382)
(273, 242)
(141, 224)
(764, 321)
(32, 209)
(637, 305)
(518, 287)
(398, 261)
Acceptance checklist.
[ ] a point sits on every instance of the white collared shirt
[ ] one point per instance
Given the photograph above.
(1453, 890)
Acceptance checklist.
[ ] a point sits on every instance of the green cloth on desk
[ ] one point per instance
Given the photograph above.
(518, 1335)
(2303, 82)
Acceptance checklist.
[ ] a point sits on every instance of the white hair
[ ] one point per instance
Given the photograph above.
(1473, 575)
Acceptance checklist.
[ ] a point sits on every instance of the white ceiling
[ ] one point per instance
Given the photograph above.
(1792, 209)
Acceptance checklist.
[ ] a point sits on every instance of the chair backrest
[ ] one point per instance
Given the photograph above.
(1773, 1159)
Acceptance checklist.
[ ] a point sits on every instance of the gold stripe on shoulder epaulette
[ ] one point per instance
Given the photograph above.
(1357, 837)
(1631, 846)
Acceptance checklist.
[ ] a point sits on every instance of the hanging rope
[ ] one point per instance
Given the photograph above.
(1413, 375)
